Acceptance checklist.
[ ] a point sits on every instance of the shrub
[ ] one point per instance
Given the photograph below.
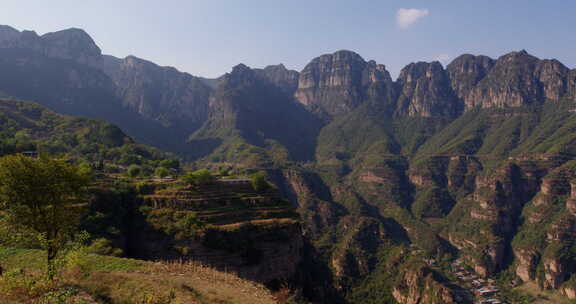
(199, 177)
(259, 182)
(161, 172)
(134, 171)
(170, 163)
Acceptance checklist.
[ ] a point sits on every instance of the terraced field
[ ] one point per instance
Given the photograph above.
(220, 203)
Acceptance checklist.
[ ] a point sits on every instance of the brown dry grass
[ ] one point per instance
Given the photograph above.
(111, 280)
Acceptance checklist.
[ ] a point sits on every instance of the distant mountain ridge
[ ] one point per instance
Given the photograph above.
(329, 86)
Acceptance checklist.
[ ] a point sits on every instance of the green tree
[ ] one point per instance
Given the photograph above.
(134, 170)
(111, 135)
(161, 172)
(198, 177)
(44, 196)
(170, 163)
(259, 182)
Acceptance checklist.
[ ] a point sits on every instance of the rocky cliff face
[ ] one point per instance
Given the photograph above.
(519, 79)
(419, 286)
(66, 71)
(159, 93)
(334, 84)
(285, 79)
(355, 257)
(466, 71)
(549, 257)
(572, 84)
(256, 107)
(71, 44)
(425, 91)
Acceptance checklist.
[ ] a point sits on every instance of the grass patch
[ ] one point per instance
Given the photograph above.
(104, 279)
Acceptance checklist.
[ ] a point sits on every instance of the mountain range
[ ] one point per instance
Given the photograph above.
(473, 161)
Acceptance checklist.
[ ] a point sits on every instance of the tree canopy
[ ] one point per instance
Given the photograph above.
(198, 177)
(259, 182)
(44, 196)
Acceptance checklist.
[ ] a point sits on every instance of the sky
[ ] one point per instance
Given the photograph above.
(207, 38)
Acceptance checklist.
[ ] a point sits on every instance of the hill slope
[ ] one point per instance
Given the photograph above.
(102, 279)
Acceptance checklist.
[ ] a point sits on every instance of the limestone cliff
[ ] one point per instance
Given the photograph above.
(285, 79)
(420, 285)
(425, 91)
(518, 79)
(466, 71)
(335, 84)
(160, 93)
(71, 44)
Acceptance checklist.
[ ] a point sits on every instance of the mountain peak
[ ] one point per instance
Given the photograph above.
(7, 29)
(76, 34)
(421, 67)
(74, 37)
(280, 76)
(240, 68)
(345, 56)
(425, 91)
(74, 44)
(518, 79)
(70, 31)
(344, 52)
(8, 33)
(517, 55)
(335, 84)
(240, 75)
(279, 66)
(466, 71)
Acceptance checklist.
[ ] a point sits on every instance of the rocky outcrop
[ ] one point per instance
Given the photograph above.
(355, 258)
(555, 273)
(420, 286)
(462, 171)
(285, 79)
(466, 71)
(552, 75)
(264, 254)
(425, 91)
(500, 199)
(335, 84)
(306, 191)
(8, 34)
(74, 44)
(571, 201)
(572, 84)
(527, 262)
(159, 93)
(570, 291)
(518, 79)
(71, 44)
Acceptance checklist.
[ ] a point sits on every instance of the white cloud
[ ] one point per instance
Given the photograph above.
(443, 58)
(406, 17)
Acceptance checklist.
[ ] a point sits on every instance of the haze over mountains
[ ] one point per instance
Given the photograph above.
(330, 85)
(475, 160)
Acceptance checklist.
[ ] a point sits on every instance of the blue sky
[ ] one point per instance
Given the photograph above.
(207, 38)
